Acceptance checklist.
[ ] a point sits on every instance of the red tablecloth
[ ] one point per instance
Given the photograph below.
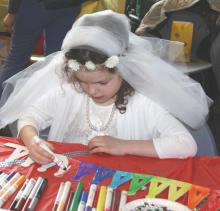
(204, 171)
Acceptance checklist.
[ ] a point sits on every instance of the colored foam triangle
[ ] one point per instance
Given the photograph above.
(120, 177)
(157, 185)
(178, 189)
(138, 181)
(196, 195)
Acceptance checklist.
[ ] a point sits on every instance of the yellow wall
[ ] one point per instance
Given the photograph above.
(98, 5)
(3, 12)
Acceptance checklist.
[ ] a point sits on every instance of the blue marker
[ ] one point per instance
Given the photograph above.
(6, 179)
(82, 203)
(91, 196)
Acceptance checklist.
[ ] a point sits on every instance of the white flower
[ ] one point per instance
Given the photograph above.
(73, 65)
(112, 62)
(90, 65)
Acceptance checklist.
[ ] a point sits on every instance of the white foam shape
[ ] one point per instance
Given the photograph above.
(19, 151)
(65, 161)
(27, 162)
(44, 167)
(60, 172)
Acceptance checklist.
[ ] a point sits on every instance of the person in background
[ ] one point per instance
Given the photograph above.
(26, 20)
(108, 89)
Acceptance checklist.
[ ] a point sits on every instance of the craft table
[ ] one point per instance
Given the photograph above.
(203, 171)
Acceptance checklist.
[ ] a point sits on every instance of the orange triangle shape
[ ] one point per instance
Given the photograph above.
(196, 195)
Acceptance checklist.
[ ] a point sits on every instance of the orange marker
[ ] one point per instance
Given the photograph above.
(64, 196)
(9, 183)
(11, 190)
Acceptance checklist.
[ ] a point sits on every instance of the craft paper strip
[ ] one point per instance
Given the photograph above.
(84, 169)
(196, 195)
(157, 185)
(18, 162)
(178, 189)
(102, 174)
(75, 153)
(138, 182)
(10, 163)
(120, 177)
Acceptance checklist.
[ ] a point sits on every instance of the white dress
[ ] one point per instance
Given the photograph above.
(65, 112)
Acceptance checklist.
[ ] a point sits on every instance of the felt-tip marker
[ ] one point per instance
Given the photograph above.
(64, 196)
(18, 196)
(37, 196)
(108, 200)
(6, 179)
(32, 193)
(11, 190)
(91, 196)
(25, 194)
(82, 203)
(9, 183)
(58, 197)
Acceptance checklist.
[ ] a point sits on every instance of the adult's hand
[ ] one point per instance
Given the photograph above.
(8, 22)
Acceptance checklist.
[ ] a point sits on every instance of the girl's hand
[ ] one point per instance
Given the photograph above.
(38, 154)
(107, 144)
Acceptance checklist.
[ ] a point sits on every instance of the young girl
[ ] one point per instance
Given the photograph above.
(107, 89)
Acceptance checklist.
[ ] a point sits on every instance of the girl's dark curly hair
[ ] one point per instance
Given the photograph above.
(84, 55)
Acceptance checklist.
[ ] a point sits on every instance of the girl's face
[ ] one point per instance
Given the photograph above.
(100, 85)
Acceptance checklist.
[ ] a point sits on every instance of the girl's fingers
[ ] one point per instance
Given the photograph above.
(46, 154)
(93, 144)
(39, 159)
(39, 155)
(97, 150)
(100, 149)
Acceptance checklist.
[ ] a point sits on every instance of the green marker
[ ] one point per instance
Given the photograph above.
(75, 201)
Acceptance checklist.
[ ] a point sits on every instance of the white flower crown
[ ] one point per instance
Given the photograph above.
(111, 62)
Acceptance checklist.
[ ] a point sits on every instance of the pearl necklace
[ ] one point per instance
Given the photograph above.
(100, 127)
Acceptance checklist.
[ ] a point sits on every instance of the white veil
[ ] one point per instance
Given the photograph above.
(143, 64)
